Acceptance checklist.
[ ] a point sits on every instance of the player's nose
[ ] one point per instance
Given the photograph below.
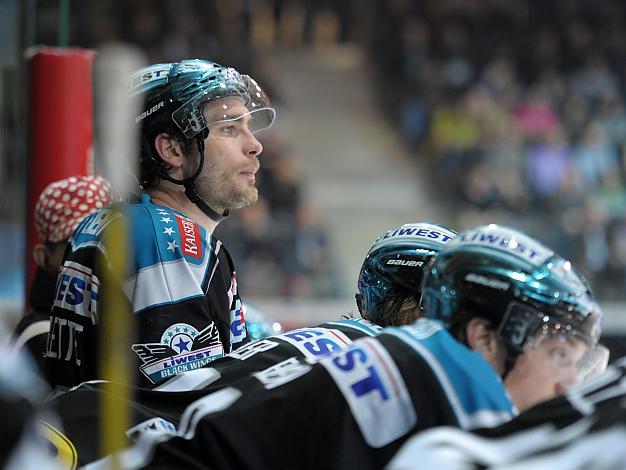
(253, 147)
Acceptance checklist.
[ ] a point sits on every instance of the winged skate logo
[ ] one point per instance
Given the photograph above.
(182, 348)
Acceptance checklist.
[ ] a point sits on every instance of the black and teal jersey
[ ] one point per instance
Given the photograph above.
(313, 405)
(181, 288)
(163, 406)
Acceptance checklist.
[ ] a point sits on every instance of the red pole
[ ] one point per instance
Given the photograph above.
(61, 126)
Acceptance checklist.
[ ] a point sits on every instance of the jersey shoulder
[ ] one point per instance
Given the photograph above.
(161, 234)
(473, 388)
(355, 327)
(158, 234)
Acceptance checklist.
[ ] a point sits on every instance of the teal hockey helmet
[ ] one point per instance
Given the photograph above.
(522, 287)
(395, 264)
(179, 91)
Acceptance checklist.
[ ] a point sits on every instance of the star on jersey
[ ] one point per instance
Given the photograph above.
(182, 345)
(169, 231)
(172, 245)
(167, 220)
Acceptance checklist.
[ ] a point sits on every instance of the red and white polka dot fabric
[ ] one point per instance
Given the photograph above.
(63, 205)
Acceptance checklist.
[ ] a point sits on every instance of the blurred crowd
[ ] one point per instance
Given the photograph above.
(517, 110)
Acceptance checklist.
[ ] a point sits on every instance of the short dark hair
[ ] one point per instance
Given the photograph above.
(398, 308)
(151, 173)
(466, 312)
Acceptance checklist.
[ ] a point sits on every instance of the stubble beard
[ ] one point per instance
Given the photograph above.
(219, 190)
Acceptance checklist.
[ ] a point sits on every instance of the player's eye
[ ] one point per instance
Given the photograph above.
(228, 130)
(562, 357)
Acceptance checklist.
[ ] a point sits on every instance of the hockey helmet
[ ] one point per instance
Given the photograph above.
(395, 263)
(523, 288)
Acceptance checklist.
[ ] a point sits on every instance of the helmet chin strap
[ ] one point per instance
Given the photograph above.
(190, 187)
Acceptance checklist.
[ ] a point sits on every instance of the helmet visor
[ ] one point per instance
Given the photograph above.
(562, 351)
(522, 323)
(255, 120)
(190, 116)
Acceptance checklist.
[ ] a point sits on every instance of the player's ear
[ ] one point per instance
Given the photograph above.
(169, 150)
(482, 338)
(42, 257)
(39, 255)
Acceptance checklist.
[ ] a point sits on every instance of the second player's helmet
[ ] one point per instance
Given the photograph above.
(395, 263)
(515, 282)
(175, 95)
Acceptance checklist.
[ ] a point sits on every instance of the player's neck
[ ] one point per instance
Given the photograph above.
(173, 196)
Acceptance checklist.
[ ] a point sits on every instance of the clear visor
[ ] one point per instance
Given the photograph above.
(570, 357)
(563, 351)
(255, 120)
(523, 324)
(593, 363)
(190, 116)
(564, 340)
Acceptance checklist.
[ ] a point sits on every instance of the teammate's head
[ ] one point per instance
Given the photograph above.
(389, 285)
(505, 294)
(175, 96)
(61, 207)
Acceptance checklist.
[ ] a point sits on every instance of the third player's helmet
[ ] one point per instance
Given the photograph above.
(513, 281)
(395, 263)
(174, 97)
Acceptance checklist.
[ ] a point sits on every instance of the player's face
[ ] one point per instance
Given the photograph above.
(545, 369)
(228, 178)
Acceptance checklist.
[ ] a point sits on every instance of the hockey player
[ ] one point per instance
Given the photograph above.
(199, 157)
(539, 313)
(499, 304)
(389, 282)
